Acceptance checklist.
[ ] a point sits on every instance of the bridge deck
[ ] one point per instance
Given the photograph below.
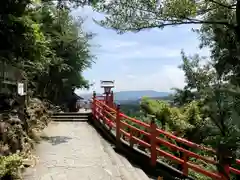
(73, 150)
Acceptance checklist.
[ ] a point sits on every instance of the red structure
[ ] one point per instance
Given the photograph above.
(110, 115)
(108, 85)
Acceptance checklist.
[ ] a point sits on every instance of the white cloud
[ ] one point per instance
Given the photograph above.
(124, 44)
(127, 49)
(131, 76)
(109, 46)
(84, 11)
(123, 52)
(164, 79)
(148, 52)
(132, 50)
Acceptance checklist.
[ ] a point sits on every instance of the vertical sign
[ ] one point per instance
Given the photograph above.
(21, 89)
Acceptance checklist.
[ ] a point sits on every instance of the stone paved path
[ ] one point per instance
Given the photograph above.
(72, 151)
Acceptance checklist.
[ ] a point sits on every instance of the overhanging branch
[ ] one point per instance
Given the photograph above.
(223, 5)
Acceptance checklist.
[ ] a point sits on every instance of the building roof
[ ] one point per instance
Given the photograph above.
(77, 96)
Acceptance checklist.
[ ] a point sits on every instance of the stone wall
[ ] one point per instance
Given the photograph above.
(20, 126)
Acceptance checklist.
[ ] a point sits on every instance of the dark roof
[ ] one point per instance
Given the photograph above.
(77, 96)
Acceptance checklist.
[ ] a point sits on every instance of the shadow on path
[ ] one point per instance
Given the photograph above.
(56, 140)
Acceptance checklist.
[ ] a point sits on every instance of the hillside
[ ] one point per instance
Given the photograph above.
(135, 95)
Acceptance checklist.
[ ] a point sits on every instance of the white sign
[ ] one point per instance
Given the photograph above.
(21, 89)
(107, 83)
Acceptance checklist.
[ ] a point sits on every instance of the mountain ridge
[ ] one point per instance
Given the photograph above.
(132, 95)
(135, 95)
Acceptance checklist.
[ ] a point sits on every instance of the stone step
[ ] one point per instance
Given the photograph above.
(81, 111)
(69, 119)
(82, 115)
(72, 114)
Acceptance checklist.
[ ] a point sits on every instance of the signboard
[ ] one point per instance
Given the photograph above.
(107, 83)
(21, 89)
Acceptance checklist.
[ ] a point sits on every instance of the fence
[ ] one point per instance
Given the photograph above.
(159, 143)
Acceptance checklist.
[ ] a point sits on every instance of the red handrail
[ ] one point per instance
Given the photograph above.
(113, 118)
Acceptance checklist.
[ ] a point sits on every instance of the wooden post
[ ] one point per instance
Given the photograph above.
(107, 99)
(103, 114)
(225, 158)
(131, 138)
(153, 136)
(94, 104)
(112, 99)
(226, 171)
(118, 124)
(184, 165)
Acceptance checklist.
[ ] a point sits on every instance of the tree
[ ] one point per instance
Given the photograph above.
(220, 20)
(70, 53)
(198, 77)
(22, 42)
(47, 44)
(124, 15)
(224, 44)
(214, 85)
(50, 47)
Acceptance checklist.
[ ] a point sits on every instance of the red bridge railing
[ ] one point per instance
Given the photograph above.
(143, 135)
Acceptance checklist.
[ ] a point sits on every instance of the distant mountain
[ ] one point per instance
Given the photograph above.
(135, 95)
(132, 95)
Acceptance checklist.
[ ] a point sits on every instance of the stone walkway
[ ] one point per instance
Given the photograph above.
(73, 151)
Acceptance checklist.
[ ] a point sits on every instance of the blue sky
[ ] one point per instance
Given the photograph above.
(147, 60)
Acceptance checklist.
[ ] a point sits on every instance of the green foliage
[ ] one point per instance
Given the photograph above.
(71, 54)
(131, 110)
(185, 121)
(177, 120)
(208, 106)
(9, 166)
(192, 113)
(211, 120)
(50, 47)
(137, 15)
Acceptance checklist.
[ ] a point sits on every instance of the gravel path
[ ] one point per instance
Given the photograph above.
(72, 151)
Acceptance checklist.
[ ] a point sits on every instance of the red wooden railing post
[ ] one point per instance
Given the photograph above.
(107, 98)
(104, 114)
(131, 138)
(118, 124)
(226, 171)
(94, 104)
(153, 136)
(224, 156)
(184, 165)
(112, 99)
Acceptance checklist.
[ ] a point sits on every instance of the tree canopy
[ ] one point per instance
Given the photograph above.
(48, 44)
(124, 15)
(50, 47)
(219, 20)
(207, 108)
